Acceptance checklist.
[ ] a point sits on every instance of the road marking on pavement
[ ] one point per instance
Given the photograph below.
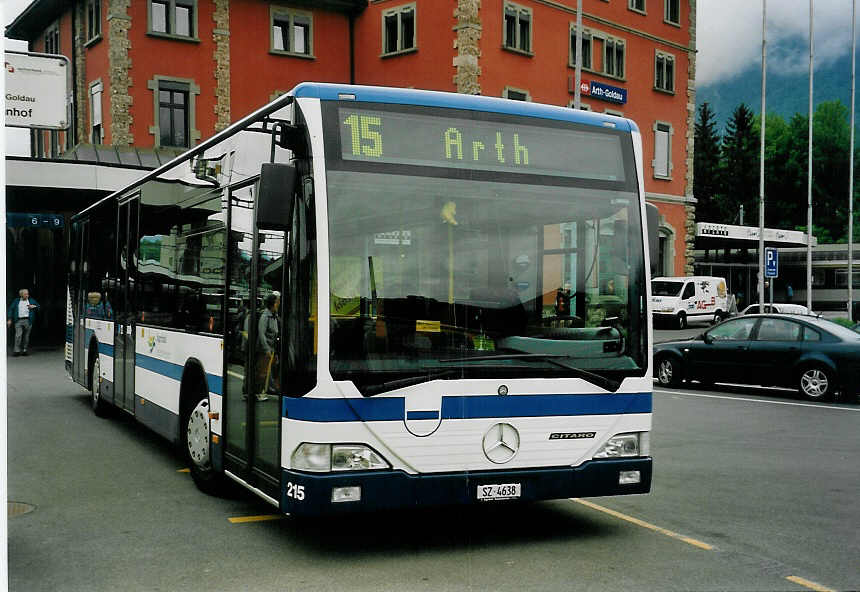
(643, 524)
(686, 394)
(184, 470)
(244, 519)
(808, 584)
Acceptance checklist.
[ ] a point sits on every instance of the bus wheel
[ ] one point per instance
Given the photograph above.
(682, 320)
(817, 383)
(100, 406)
(195, 445)
(668, 372)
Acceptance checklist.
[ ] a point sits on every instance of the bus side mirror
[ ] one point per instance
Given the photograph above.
(275, 197)
(652, 221)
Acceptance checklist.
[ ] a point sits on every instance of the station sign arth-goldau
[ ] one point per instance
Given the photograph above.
(37, 90)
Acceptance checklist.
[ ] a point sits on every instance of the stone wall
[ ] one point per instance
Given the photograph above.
(119, 45)
(691, 134)
(221, 36)
(468, 31)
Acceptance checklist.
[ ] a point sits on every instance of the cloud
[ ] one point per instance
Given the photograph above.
(728, 36)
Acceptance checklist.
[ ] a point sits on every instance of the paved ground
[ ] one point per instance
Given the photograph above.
(753, 490)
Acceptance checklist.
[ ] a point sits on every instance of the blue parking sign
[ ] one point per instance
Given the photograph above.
(771, 262)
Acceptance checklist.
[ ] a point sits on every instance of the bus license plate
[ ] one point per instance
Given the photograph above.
(501, 491)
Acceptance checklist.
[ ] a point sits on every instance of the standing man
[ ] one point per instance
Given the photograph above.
(22, 314)
(267, 346)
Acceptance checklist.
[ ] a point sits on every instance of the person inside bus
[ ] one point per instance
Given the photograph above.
(267, 347)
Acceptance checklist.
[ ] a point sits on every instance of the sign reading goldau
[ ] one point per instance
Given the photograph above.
(451, 142)
(36, 89)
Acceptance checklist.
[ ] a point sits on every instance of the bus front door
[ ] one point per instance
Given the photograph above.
(123, 305)
(252, 391)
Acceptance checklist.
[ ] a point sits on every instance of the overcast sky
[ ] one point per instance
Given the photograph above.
(728, 37)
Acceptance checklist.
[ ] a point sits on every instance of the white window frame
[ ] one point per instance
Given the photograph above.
(516, 46)
(659, 172)
(398, 11)
(582, 106)
(96, 111)
(289, 15)
(52, 36)
(632, 5)
(666, 57)
(614, 112)
(667, 6)
(587, 38)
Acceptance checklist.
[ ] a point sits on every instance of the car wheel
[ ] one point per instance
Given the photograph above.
(100, 406)
(817, 383)
(195, 445)
(668, 372)
(682, 320)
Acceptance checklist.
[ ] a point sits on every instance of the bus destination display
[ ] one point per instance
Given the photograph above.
(427, 140)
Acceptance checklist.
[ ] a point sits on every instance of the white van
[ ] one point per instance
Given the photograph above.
(678, 299)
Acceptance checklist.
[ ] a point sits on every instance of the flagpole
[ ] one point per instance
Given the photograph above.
(761, 160)
(809, 170)
(577, 56)
(851, 169)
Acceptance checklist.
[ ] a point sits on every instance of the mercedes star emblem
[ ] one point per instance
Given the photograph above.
(501, 443)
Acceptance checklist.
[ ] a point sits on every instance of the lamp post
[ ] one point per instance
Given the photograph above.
(761, 160)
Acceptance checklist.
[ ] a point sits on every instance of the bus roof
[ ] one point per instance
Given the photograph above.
(429, 98)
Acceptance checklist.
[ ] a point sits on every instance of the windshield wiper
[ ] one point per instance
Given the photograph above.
(592, 377)
(375, 389)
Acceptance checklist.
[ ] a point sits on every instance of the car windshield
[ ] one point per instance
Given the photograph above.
(429, 273)
(666, 288)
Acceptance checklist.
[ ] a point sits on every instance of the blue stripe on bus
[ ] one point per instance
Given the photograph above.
(174, 371)
(106, 349)
(459, 407)
(399, 96)
(422, 415)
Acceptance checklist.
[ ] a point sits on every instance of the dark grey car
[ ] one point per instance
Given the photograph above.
(818, 357)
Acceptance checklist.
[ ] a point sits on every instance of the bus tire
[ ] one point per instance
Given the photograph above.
(100, 406)
(682, 320)
(816, 383)
(196, 448)
(668, 371)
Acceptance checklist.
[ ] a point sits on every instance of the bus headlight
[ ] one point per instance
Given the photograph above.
(624, 445)
(355, 458)
(323, 458)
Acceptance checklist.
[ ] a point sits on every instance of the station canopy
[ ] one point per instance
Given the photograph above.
(730, 236)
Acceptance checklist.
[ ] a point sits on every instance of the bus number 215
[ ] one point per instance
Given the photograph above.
(296, 492)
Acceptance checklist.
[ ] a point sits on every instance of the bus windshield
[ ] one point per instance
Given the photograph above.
(470, 276)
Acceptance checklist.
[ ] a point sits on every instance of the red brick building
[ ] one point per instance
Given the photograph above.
(165, 74)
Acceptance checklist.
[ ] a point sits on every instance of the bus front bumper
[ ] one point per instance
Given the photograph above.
(306, 494)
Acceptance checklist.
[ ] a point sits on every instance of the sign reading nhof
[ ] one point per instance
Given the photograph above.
(37, 86)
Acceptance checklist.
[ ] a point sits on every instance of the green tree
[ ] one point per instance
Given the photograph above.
(739, 170)
(706, 166)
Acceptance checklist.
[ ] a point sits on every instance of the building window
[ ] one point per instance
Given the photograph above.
(94, 20)
(662, 162)
(398, 29)
(173, 114)
(516, 94)
(518, 28)
(96, 127)
(586, 48)
(672, 12)
(664, 72)
(614, 112)
(637, 5)
(173, 17)
(613, 57)
(52, 39)
(292, 31)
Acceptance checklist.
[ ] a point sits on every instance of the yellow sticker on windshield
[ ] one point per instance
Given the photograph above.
(428, 326)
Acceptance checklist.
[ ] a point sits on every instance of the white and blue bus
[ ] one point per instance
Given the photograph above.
(360, 298)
